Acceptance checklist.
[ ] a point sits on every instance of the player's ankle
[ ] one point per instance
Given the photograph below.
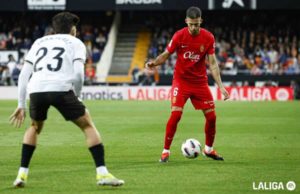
(23, 170)
(166, 151)
(102, 170)
(208, 149)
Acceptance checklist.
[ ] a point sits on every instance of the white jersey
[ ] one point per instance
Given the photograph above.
(52, 58)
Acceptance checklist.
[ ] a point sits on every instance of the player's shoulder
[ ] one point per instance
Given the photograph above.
(74, 42)
(77, 41)
(182, 31)
(36, 42)
(205, 32)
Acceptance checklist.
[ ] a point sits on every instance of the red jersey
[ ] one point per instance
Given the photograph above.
(191, 53)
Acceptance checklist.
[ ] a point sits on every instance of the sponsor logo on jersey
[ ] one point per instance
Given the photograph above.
(191, 55)
(138, 2)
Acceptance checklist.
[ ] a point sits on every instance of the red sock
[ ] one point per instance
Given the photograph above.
(210, 128)
(171, 128)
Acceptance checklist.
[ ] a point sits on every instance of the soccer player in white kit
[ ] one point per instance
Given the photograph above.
(56, 66)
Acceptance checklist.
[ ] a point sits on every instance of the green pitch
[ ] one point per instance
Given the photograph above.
(260, 142)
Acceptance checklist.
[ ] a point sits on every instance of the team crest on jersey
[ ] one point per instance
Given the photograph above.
(202, 48)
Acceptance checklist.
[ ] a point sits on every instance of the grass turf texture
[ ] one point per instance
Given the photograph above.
(260, 141)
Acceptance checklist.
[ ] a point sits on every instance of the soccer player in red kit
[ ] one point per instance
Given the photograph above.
(192, 45)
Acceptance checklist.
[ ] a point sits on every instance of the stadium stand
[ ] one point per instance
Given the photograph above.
(259, 47)
(19, 30)
(260, 43)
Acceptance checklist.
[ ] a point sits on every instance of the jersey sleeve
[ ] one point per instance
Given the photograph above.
(79, 52)
(172, 46)
(212, 45)
(22, 84)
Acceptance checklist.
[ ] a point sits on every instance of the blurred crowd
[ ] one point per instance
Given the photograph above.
(254, 43)
(19, 31)
(249, 43)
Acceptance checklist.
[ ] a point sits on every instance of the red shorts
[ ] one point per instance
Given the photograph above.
(200, 95)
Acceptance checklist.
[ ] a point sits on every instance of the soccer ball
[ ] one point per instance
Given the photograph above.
(191, 148)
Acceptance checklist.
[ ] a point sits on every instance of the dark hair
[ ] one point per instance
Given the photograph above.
(193, 12)
(63, 22)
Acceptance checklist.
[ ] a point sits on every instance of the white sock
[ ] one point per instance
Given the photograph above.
(208, 149)
(23, 170)
(102, 170)
(165, 151)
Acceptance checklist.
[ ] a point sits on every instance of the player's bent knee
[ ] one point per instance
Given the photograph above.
(37, 126)
(83, 122)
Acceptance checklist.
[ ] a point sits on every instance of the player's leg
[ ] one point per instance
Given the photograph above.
(28, 147)
(210, 128)
(203, 100)
(178, 99)
(85, 123)
(210, 132)
(96, 148)
(171, 128)
(38, 113)
(73, 109)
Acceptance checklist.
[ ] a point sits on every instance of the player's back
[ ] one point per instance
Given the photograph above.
(52, 58)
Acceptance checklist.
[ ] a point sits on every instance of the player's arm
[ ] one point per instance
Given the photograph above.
(215, 71)
(78, 65)
(18, 117)
(160, 60)
(79, 76)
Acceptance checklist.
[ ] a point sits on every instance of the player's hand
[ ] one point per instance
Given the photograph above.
(150, 65)
(225, 93)
(18, 117)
